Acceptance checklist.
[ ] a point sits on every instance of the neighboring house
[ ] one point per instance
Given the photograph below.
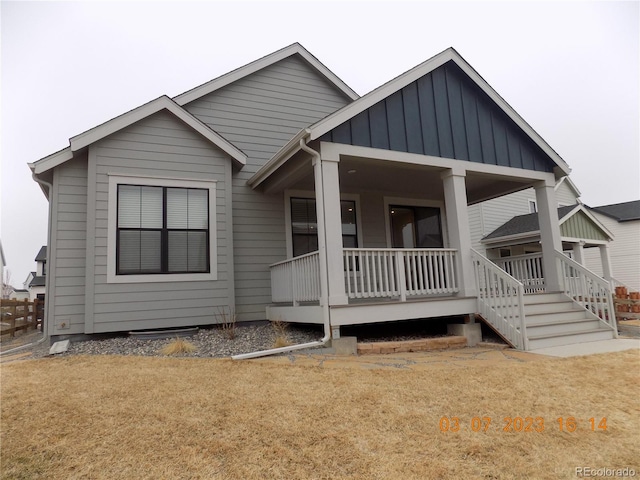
(20, 294)
(277, 192)
(485, 217)
(36, 281)
(623, 220)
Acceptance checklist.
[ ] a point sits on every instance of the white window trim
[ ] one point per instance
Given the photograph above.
(112, 216)
(535, 206)
(414, 202)
(289, 194)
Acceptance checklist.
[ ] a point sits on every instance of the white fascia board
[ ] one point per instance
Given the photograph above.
(259, 64)
(533, 235)
(349, 111)
(335, 150)
(51, 161)
(572, 185)
(161, 103)
(569, 215)
(598, 223)
(353, 109)
(287, 151)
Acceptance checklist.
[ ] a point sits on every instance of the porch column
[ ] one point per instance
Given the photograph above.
(549, 233)
(328, 211)
(455, 203)
(607, 272)
(578, 252)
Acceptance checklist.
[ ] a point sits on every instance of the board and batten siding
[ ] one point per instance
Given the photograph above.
(159, 146)
(624, 251)
(443, 114)
(259, 114)
(66, 255)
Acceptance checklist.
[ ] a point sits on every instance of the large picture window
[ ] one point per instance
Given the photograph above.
(162, 230)
(304, 225)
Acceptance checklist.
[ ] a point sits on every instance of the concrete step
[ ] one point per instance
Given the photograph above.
(554, 340)
(532, 298)
(568, 326)
(551, 307)
(555, 317)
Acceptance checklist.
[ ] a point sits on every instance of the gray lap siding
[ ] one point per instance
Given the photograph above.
(259, 114)
(67, 251)
(158, 146)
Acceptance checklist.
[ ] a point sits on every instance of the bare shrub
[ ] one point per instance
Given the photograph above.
(179, 345)
(280, 330)
(226, 317)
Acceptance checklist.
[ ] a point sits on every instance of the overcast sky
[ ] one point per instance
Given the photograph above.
(570, 69)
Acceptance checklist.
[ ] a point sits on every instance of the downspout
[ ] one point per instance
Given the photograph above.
(324, 287)
(47, 297)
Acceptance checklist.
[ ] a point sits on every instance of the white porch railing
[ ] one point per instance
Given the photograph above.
(399, 272)
(588, 289)
(527, 269)
(296, 279)
(500, 300)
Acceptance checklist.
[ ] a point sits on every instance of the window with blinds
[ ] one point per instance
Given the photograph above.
(162, 230)
(304, 225)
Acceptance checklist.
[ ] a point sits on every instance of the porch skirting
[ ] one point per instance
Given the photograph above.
(375, 312)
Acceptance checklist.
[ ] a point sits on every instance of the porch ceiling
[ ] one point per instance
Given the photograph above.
(363, 174)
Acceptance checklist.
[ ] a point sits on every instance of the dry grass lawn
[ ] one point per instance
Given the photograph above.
(136, 418)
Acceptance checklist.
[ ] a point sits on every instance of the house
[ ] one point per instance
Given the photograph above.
(36, 281)
(485, 217)
(623, 220)
(276, 191)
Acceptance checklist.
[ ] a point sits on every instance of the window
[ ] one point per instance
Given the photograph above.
(162, 230)
(533, 206)
(304, 225)
(415, 227)
(44, 268)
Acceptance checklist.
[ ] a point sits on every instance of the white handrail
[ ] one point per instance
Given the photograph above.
(589, 290)
(296, 280)
(500, 300)
(527, 269)
(399, 272)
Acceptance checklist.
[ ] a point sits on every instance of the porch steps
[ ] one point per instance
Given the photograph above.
(553, 319)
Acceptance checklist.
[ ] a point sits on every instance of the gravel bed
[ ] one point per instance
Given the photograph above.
(213, 342)
(210, 342)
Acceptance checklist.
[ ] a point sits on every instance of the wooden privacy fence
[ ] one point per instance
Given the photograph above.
(19, 315)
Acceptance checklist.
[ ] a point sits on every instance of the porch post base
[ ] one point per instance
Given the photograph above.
(338, 300)
(345, 346)
(471, 331)
(335, 332)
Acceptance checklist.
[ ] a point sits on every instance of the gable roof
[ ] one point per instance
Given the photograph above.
(95, 134)
(567, 179)
(528, 225)
(38, 281)
(353, 109)
(622, 212)
(238, 73)
(42, 254)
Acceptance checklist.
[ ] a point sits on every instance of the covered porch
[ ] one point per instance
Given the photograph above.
(387, 233)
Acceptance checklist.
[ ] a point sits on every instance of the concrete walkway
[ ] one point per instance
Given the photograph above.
(459, 357)
(589, 348)
(456, 357)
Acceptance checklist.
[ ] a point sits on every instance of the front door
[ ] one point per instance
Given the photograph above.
(415, 227)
